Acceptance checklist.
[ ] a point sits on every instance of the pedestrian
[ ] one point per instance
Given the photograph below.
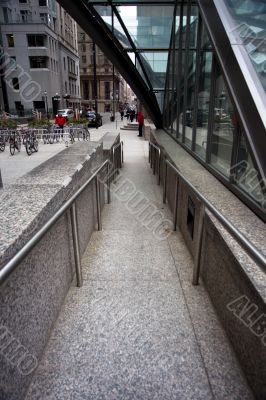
(140, 119)
(60, 121)
(122, 114)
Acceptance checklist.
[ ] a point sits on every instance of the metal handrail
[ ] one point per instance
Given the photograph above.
(69, 204)
(253, 252)
(120, 144)
(153, 162)
(115, 166)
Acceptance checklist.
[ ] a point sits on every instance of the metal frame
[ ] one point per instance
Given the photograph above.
(120, 162)
(6, 271)
(252, 251)
(90, 21)
(153, 159)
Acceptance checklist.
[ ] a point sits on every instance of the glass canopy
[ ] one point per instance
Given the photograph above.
(144, 33)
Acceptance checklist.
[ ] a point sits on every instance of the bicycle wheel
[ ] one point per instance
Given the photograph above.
(19, 144)
(2, 146)
(36, 145)
(51, 138)
(28, 148)
(12, 149)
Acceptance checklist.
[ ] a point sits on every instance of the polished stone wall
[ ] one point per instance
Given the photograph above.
(235, 283)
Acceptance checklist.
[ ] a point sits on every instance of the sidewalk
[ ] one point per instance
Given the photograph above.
(137, 329)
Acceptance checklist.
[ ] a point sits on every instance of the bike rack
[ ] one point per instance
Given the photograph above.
(152, 159)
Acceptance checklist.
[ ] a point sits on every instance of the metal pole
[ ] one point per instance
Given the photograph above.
(176, 201)
(122, 152)
(149, 152)
(73, 215)
(95, 79)
(108, 184)
(159, 165)
(165, 184)
(98, 201)
(196, 269)
(154, 161)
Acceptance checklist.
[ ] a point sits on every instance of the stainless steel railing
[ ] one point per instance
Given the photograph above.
(252, 251)
(152, 159)
(118, 158)
(69, 204)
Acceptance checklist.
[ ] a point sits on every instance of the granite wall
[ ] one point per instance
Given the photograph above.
(31, 298)
(235, 283)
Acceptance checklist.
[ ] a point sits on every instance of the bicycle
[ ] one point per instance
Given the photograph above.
(2, 143)
(14, 142)
(30, 142)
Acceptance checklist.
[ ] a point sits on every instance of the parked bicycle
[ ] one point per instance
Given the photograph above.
(14, 143)
(30, 142)
(2, 143)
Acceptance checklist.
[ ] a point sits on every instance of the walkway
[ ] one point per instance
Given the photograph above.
(137, 329)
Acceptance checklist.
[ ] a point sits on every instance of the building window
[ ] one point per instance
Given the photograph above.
(25, 15)
(107, 90)
(10, 40)
(44, 17)
(86, 90)
(42, 3)
(36, 40)
(64, 63)
(6, 15)
(15, 83)
(13, 62)
(38, 62)
(84, 59)
(66, 87)
(82, 36)
(83, 48)
(23, 1)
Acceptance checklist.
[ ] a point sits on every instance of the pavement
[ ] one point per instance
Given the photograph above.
(137, 329)
(13, 167)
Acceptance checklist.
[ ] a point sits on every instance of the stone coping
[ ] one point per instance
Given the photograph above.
(28, 203)
(226, 202)
(109, 139)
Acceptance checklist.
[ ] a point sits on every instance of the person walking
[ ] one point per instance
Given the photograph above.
(140, 119)
(122, 114)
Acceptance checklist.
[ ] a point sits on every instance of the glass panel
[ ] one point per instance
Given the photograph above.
(224, 126)
(246, 176)
(190, 97)
(181, 93)
(149, 27)
(120, 34)
(155, 65)
(203, 103)
(250, 26)
(194, 21)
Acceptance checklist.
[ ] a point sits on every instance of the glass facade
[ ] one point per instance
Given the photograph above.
(171, 49)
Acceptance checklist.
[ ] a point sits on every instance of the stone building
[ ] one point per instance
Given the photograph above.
(40, 61)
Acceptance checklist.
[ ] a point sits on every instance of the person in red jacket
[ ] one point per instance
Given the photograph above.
(60, 121)
(140, 120)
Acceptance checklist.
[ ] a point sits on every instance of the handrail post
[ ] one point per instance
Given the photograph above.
(122, 152)
(196, 269)
(159, 164)
(149, 153)
(73, 214)
(165, 183)
(154, 161)
(108, 184)
(98, 204)
(176, 201)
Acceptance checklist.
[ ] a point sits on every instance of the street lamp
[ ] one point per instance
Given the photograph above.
(46, 104)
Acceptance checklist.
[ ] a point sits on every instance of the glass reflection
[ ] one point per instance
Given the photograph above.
(224, 128)
(190, 98)
(246, 176)
(203, 103)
